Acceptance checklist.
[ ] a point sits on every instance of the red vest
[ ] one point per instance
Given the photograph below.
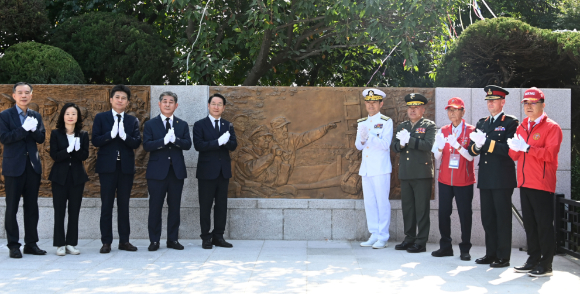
(465, 174)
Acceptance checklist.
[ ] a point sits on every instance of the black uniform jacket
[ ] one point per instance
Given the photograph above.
(65, 162)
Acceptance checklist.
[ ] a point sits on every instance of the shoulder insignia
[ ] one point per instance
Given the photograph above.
(511, 116)
(362, 119)
(384, 117)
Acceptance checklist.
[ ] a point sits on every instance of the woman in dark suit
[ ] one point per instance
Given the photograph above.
(69, 147)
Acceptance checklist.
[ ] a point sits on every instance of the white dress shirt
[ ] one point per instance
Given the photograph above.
(219, 119)
(164, 120)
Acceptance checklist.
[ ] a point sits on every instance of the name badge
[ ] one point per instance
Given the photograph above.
(454, 161)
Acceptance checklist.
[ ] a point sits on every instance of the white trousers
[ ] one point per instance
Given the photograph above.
(377, 206)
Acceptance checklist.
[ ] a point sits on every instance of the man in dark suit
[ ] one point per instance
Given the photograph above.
(21, 129)
(497, 177)
(116, 134)
(165, 136)
(214, 138)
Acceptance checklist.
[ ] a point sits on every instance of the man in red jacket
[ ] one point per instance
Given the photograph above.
(456, 178)
(535, 146)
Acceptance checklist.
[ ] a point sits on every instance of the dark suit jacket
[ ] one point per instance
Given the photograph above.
(63, 160)
(18, 142)
(213, 158)
(153, 142)
(416, 161)
(496, 168)
(108, 147)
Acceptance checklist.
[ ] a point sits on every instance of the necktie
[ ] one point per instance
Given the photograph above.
(23, 114)
(216, 127)
(167, 125)
(491, 121)
(119, 121)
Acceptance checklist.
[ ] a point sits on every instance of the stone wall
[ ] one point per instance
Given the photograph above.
(314, 219)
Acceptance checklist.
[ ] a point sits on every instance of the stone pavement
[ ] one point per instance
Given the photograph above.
(271, 267)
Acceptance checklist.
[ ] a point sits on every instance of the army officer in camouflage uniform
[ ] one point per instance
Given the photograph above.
(414, 140)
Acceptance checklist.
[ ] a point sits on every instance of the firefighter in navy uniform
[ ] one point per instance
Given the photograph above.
(497, 177)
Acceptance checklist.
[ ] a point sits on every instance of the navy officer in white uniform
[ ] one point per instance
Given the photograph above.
(374, 136)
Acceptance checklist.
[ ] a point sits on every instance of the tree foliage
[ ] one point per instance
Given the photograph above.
(39, 64)
(21, 21)
(243, 41)
(114, 48)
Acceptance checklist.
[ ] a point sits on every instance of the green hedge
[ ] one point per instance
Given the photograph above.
(39, 64)
(115, 48)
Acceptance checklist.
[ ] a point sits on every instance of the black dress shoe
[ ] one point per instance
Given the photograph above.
(440, 253)
(503, 262)
(465, 256)
(221, 243)
(127, 246)
(403, 246)
(33, 249)
(174, 245)
(541, 271)
(153, 246)
(526, 268)
(15, 253)
(106, 248)
(485, 260)
(416, 248)
(206, 244)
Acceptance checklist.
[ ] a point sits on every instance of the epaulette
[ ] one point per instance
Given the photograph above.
(384, 117)
(511, 116)
(362, 119)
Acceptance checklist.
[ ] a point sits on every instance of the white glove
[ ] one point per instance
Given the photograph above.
(172, 131)
(440, 141)
(77, 144)
(404, 136)
(29, 123)
(36, 125)
(224, 138)
(452, 140)
(70, 148)
(478, 137)
(167, 137)
(115, 129)
(363, 133)
(122, 133)
(518, 143)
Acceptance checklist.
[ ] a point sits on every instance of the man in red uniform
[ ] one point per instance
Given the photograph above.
(535, 147)
(456, 178)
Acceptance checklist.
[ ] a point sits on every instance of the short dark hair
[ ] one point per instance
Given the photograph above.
(121, 88)
(216, 95)
(21, 84)
(78, 125)
(168, 93)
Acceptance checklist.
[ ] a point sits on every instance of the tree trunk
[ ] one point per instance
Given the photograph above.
(261, 66)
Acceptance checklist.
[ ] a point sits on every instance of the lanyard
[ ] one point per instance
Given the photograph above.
(451, 149)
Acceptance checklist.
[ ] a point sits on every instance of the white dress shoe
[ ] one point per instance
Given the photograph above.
(72, 250)
(380, 244)
(368, 243)
(61, 251)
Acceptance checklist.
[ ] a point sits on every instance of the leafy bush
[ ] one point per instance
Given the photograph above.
(114, 48)
(38, 63)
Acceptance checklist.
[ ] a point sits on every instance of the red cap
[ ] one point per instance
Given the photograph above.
(533, 94)
(455, 102)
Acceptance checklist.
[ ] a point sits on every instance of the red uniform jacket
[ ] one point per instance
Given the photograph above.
(465, 174)
(537, 167)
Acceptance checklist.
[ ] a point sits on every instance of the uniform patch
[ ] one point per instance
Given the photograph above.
(536, 136)
(420, 131)
(499, 129)
(378, 126)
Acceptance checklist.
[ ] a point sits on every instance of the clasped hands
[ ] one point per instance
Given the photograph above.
(118, 129)
(478, 137)
(169, 137)
(404, 136)
(76, 146)
(517, 143)
(224, 138)
(30, 124)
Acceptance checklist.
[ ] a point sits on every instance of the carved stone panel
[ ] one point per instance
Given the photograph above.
(92, 99)
(296, 142)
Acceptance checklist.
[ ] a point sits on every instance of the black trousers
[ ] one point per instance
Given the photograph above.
(60, 195)
(210, 191)
(496, 217)
(25, 186)
(120, 184)
(463, 197)
(538, 215)
(172, 187)
(415, 197)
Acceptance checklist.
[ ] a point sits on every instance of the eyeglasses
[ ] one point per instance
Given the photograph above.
(530, 103)
(217, 104)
